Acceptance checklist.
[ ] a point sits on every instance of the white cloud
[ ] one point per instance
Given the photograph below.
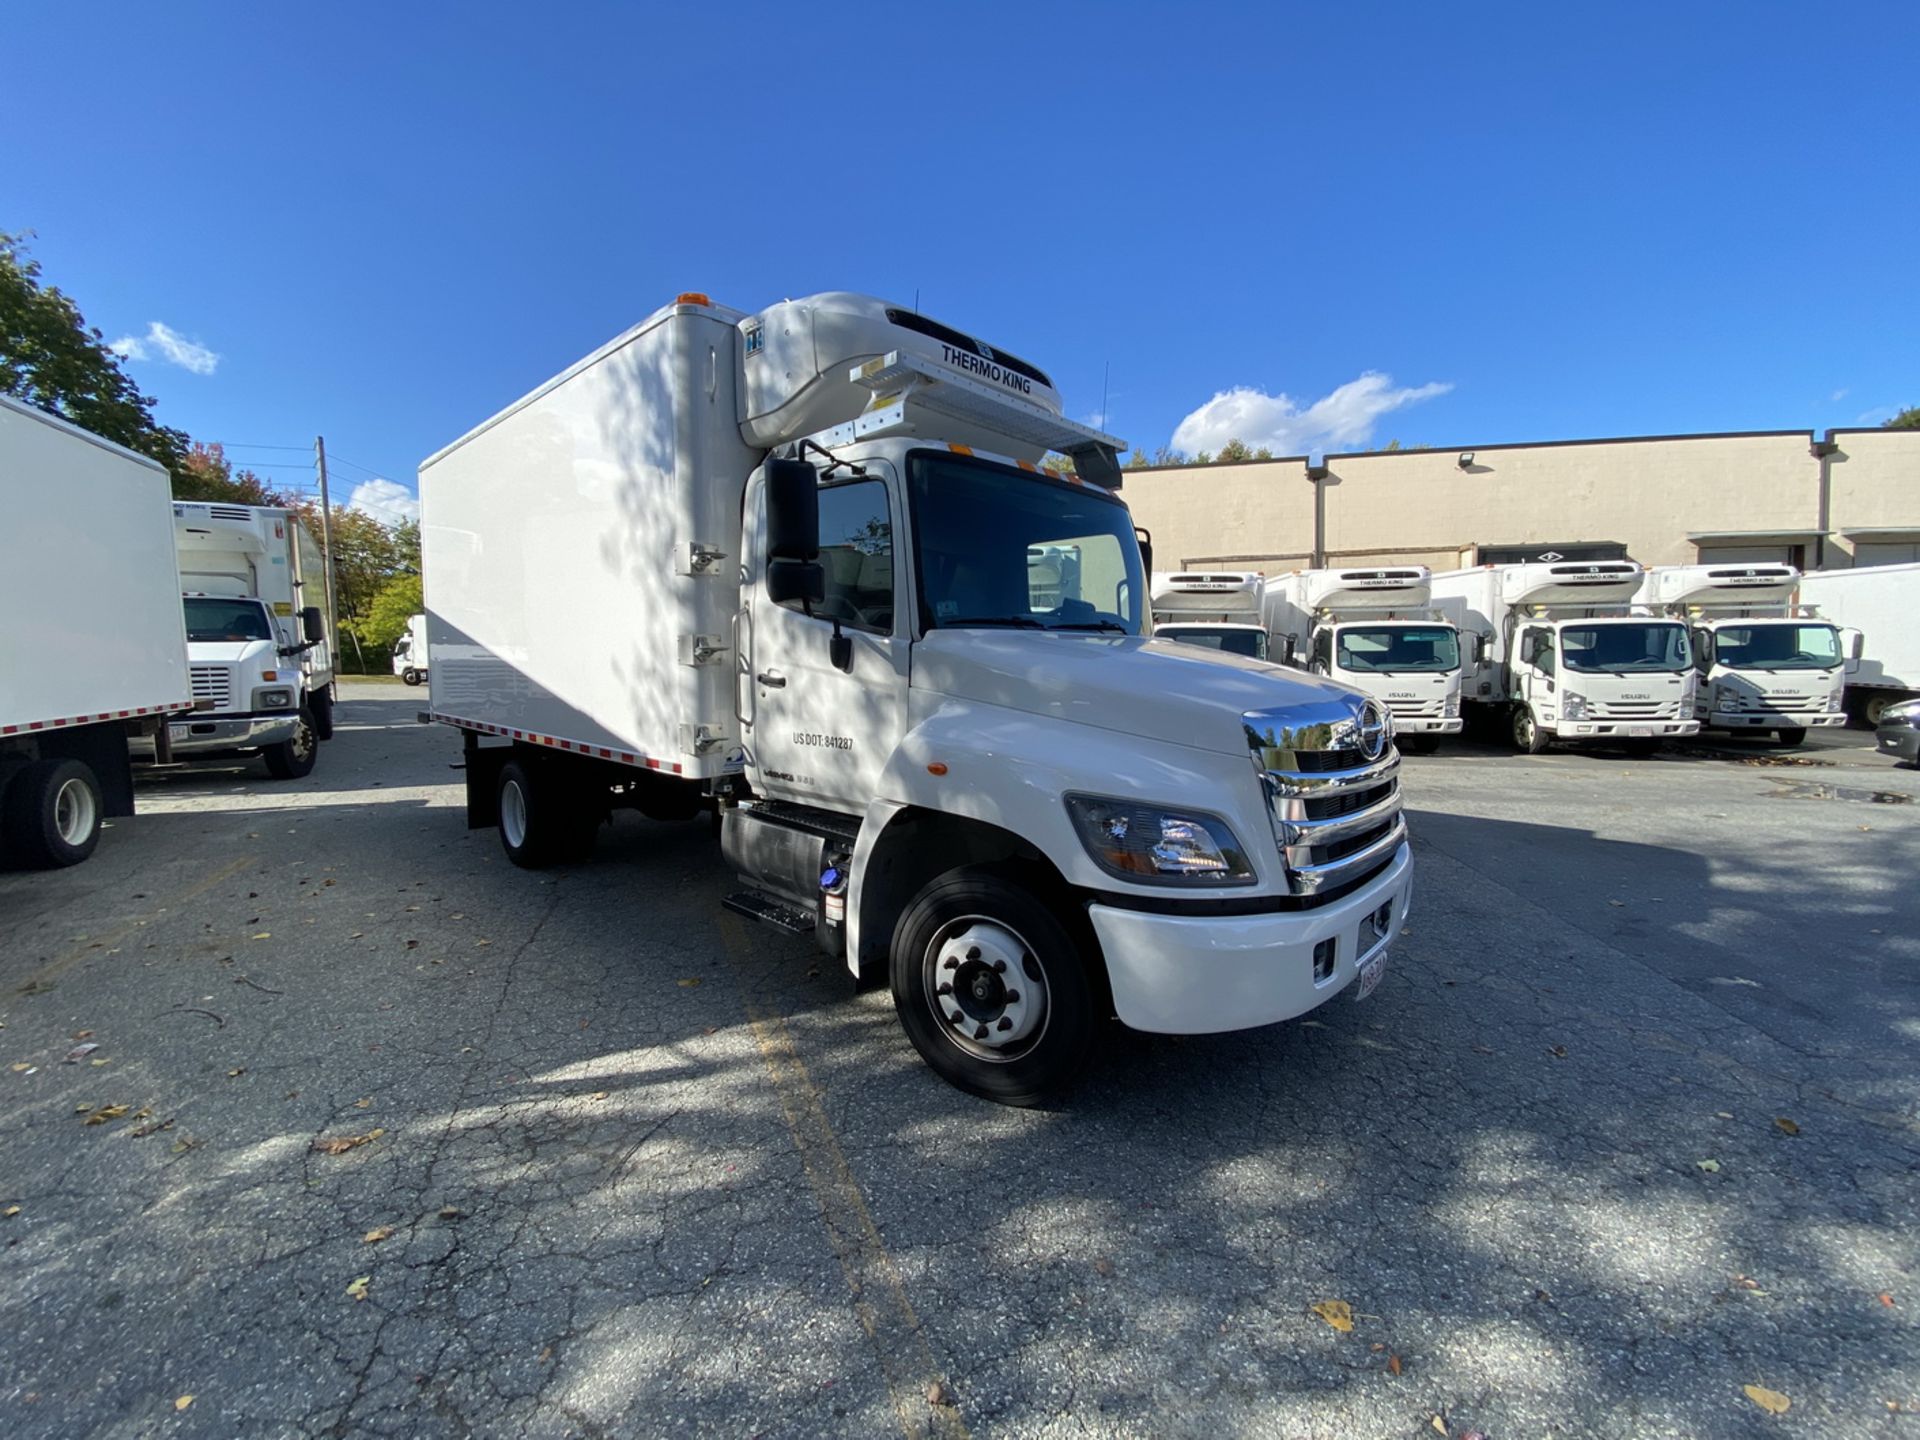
(163, 342)
(1839, 395)
(1281, 424)
(387, 501)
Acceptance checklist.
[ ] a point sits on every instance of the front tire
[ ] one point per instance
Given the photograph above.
(321, 703)
(51, 813)
(992, 989)
(1789, 736)
(410, 676)
(1418, 744)
(294, 759)
(1527, 738)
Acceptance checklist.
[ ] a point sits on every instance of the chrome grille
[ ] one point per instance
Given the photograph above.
(213, 682)
(1417, 709)
(1637, 710)
(1335, 808)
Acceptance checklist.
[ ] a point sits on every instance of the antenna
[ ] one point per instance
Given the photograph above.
(916, 299)
(1106, 374)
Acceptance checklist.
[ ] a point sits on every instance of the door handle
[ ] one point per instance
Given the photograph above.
(772, 679)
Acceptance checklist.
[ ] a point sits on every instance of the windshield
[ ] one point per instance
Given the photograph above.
(1777, 647)
(1374, 649)
(1004, 547)
(1625, 649)
(1250, 643)
(227, 620)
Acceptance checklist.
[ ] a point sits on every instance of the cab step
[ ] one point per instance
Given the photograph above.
(770, 910)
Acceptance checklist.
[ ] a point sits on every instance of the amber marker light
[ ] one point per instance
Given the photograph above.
(691, 297)
(937, 767)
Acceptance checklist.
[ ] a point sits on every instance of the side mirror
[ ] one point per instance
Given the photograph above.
(793, 513)
(313, 625)
(789, 580)
(1482, 647)
(1854, 642)
(1146, 549)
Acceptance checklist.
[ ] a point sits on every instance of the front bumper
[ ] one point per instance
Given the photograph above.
(1193, 975)
(1774, 720)
(1623, 729)
(226, 732)
(1426, 725)
(1900, 741)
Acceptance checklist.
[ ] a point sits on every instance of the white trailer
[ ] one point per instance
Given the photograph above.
(1215, 610)
(410, 651)
(1882, 602)
(92, 650)
(1762, 662)
(784, 563)
(1375, 629)
(1565, 655)
(257, 640)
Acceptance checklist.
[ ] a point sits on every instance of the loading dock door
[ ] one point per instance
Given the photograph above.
(1794, 555)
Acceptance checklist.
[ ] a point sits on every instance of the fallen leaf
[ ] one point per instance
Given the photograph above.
(1786, 1125)
(690, 983)
(937, 1393)
(99, 1062)
(452, 1212)
(358, 1289)
(236, 1073)
(598, 1095)
(1337, 1313)
(88, 1034)
(1103, 1266)
(79, 1053)
(1723, 1114)
(183, 1402)
(377, 1234)
(1886, 1298)
(1558, 1051)
(106, 1113)
(155, 1128)
(1620, 903)
(1771, 1401)
(363, 1104)
(264, 935)
(546, 1354)
(10, 1211)
(21, 1065)
(1393, 1364)
(1439, 1424)
(1712, 1167)
(341, 1144)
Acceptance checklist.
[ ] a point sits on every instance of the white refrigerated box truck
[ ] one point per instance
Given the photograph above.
(1216, 610)
(1882, 602)
(1565, 655)
(1375, 629)
(782, 563)
(92, 649)
(410, 651)
(256, 636)
(1762, 662)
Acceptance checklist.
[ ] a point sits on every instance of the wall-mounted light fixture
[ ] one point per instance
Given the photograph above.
(1466, 459)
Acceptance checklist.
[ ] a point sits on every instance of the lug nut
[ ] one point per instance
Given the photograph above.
(999, 967)
(973, 952)
(981, 1033)
(1013, 997)
(1005, 1023)
(945, 989)
(949, 964)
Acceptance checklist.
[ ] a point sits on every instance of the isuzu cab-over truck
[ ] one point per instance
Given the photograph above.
(1565, 656)
(1882, 602)
(92, 651)
(1762, 662)
(783, 563)
(256, 636)
(1374, 629)
(1214, 610)
(410, 651)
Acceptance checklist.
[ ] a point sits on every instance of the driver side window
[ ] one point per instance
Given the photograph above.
(856, 552)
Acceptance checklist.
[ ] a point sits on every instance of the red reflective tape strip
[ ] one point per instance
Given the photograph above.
(579, 747)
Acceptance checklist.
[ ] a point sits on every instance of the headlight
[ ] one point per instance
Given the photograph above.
(1573, 706)
(1148, 845)
(1838, 699)
(1452, 709)
(1724, 698)
(272, 699)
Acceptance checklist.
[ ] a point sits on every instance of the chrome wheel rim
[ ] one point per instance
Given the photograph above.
(303, 741)
(513, 814)
(73, 812)
(985, 988)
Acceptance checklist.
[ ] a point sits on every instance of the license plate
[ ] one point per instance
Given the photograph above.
(179, 732)
(1637, 731)
(1370, 974)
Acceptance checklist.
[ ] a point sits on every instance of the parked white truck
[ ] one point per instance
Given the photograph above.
(1762, 662)
(1216, 610)
(92, 650)
(1882, 602)
(410, 651)
(1564, 655)
(806, 535)
(256, 636)
(1375, 629)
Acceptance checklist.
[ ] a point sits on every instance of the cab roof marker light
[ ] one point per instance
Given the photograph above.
(961, 449)
(691, 297)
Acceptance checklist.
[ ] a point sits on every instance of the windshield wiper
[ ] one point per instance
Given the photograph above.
(1093, 625)
(1023, 622)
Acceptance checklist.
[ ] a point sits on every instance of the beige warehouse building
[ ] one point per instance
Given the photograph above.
(1850, 498)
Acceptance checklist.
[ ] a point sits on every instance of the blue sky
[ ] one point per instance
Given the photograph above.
(1444, 224)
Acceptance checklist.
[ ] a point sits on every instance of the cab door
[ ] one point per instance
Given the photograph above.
(816, 731)
(1533, 677)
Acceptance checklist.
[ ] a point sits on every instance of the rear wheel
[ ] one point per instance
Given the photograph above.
(991, 988)
(1874, 706)
(294, 759)
(1526, 735)
(51, 813)
(1790, 736)
(542, 820)
(321, 703)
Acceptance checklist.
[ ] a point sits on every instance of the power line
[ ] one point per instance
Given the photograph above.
(238, 445)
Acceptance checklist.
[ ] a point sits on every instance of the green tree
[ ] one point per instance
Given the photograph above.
(1137, 460)
(1907, 419)
(50, 357)
(393, 605)
(204, 473)
(1235, 450)
(366, 554)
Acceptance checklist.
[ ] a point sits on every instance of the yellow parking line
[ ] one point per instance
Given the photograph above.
(879, 1296)
(96, 944)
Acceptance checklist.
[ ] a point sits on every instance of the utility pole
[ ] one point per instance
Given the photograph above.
(326, 547)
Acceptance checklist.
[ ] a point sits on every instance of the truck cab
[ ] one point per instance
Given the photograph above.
(410, 651)
(1220, 611)
(1763, 664)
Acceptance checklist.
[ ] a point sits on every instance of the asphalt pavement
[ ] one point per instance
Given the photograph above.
(416, 1143)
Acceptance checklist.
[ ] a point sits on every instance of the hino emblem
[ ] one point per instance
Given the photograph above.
(1372, 726)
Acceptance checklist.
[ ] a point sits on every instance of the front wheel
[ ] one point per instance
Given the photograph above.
(410, 676)
(51, 813)
(991, 988)
(294, 759)
(1418, 744)
(1789, 736)
(1526, 735)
